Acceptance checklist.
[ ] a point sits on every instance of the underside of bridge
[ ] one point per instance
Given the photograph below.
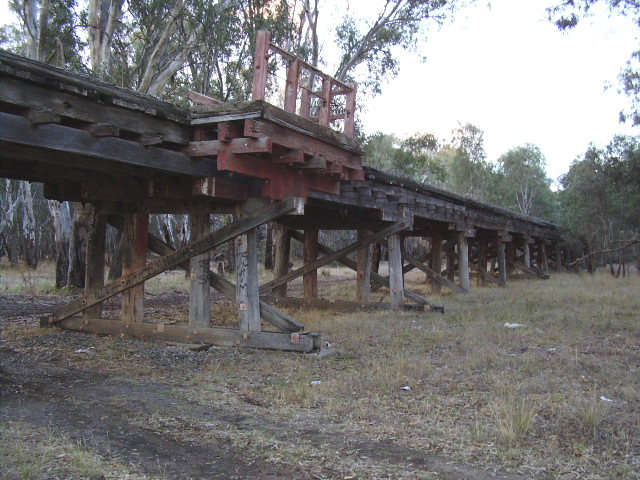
(124, 156)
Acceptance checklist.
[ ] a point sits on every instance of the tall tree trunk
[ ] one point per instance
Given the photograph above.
(62, 231)
(29, 238)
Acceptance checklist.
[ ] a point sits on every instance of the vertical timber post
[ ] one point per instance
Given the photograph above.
(282, 248)
(199, 295)
(247, 287)
(451, 261)
(436, 260)
(136, 230)
(502, 261)
(463, 262)
(544, 261)
(482, 260)
(261, 64)
(94, 275)
(510, 251)
(363, 276)
(526, 252)
(310, 254)
(396, 277)
(558, 251)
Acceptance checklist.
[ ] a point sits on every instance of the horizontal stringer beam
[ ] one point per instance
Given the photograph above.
(176, 258)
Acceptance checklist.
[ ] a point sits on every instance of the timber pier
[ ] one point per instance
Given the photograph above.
(124, 156)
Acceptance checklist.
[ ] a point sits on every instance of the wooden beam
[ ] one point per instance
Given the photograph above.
(94, 274)
(230, 337)
(201, 99)
(310, 255)
(271, 315)
(363, 271)
(261, 65)
(136, 229)
(390, 230)
(103, 154)
(85, 108)
(396, 278)
(431, 273)
(436, 260)
(344, 305)
(463, 262)
(282, 250)
(375, 277)
(199, 281)
(174, 259)
(484, 275)
(531, 271)
(502, 263)
(210, 148)
(247, 296)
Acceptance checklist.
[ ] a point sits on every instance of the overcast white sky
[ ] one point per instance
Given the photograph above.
(510, 72)
(507, 70)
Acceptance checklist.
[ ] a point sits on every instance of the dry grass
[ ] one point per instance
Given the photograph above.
(30, 453)
(461, 385)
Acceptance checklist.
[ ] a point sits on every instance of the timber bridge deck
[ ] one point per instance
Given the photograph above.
(124, 156)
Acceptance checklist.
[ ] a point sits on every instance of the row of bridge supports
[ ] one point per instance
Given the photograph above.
(452, 260)
(448, 258)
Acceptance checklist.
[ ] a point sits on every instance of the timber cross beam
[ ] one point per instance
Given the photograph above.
(179, 256)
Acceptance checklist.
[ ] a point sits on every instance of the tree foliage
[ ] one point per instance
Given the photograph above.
(522, 183)
(600, 194)
(567, 15)
(370, 42)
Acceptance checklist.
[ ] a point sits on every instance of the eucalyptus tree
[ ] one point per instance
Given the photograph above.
(600, 195)
(522, 183)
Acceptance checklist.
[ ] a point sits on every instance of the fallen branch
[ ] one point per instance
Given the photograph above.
(629, 243)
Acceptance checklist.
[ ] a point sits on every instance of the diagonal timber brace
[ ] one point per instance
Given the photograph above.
(375, 277)
(431, 273)
(336, 255)
(268, 313)
(533, 271)
(284, 207)
(485, 275)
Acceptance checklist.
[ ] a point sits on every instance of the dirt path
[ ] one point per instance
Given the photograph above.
(43, 387)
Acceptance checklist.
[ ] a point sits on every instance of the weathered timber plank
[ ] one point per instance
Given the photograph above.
(284, 207)
(396, 227)
(431, 273)
(101, 153)
(237, 145)
(296, 342)
(58, 80)
(339, 305)
(298, 141)
(375, 277)
(261, 109)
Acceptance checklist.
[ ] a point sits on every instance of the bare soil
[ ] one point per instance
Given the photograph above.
(129, 400)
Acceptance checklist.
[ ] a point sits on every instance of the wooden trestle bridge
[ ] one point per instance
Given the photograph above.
(129, 155)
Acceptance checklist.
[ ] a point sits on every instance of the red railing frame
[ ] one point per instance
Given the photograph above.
(331, 87)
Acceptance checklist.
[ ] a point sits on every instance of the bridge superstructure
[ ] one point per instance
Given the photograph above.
(124, 156)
